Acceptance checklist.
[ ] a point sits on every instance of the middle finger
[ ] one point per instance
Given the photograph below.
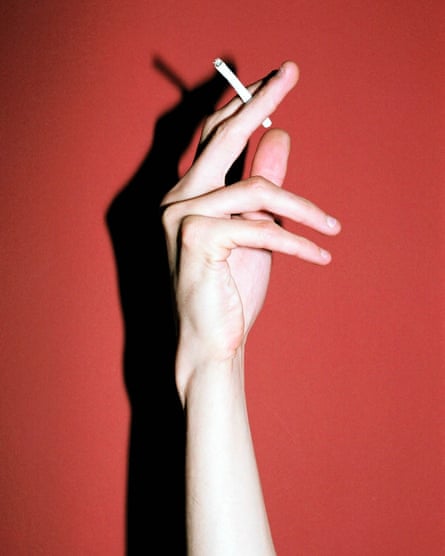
(231, 136)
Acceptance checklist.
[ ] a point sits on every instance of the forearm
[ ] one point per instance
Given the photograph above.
(225, 507)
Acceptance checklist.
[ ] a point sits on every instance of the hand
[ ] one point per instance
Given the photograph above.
(220, 238)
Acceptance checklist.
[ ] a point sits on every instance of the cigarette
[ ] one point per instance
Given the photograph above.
(240, 89)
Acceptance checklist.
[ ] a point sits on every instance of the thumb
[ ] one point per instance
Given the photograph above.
(270, 162)
(271, 156)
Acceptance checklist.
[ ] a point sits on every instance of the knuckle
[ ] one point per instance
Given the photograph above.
(169, 215)
(265, 229)
(172, 215)
(230, 130)
(257, 185)
(191, 230)
(306, 246)
(308, 206)
(268, 100)
(222, 131)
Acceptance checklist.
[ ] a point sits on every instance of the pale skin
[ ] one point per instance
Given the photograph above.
(220, 243)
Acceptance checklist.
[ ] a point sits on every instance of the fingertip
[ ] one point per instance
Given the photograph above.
(291, 70)
(325, 257)
(279, 135)
(271, 156)
(333, 225)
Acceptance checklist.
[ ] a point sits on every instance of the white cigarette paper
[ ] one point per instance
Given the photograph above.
(240, 89)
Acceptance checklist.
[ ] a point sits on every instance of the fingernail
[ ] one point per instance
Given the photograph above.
(325, 255)
(331, 222)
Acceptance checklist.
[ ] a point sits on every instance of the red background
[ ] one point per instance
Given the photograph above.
(345, 365)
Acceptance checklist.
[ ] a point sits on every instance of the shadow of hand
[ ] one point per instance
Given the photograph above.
(155, 489)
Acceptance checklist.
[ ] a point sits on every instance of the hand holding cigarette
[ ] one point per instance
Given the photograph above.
(220, 242)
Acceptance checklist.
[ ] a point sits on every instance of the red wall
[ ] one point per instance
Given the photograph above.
(345, 365)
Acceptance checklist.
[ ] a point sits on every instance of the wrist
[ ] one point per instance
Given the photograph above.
(196, 369)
